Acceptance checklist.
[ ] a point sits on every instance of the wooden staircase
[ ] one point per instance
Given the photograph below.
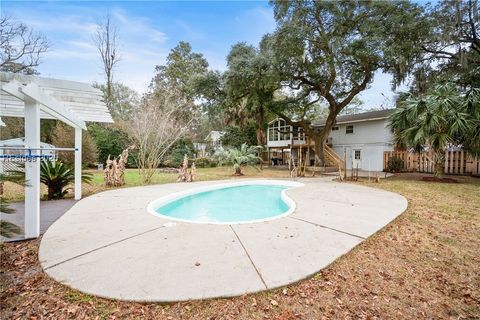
(332, 158)
(333, 162)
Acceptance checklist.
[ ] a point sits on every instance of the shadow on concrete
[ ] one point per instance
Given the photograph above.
(50, 211)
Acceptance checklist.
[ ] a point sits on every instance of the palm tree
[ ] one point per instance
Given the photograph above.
(245, 155)
(471, 140)
(441, 118)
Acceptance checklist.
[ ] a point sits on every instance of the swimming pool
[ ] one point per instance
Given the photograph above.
(228, 203)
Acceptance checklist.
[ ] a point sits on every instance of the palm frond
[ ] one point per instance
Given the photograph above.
(436, 120)
(245, 155)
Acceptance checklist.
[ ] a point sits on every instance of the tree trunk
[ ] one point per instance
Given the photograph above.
(50, 192)
(319, 142)
(321, 137)
(260, 130)
(238, 171)
(108, 93)
(439, 161)
(54, 191)
(106, 42)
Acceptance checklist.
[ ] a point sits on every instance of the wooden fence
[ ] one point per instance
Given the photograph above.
(456, 162)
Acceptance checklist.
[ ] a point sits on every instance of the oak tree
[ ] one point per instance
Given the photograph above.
(330, 50)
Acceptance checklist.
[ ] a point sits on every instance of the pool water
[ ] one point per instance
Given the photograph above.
(232, 204)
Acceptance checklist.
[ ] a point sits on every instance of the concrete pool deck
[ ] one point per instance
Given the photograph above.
(110, 246)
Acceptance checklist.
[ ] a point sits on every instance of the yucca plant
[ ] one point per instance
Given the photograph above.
(238, 158)
(57, 176)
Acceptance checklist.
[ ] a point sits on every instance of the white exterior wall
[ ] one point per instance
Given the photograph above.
(214, 139)
(372, 138)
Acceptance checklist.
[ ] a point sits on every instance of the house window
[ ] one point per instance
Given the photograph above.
(335, 128)
(270, 133)
(273, 131)
(278, 131)
(298, 134)
(275, 135)
(349, 129)
(357, 155)
(284, 129)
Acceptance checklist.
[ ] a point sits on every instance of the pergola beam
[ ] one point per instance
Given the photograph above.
(52, 106)
(13, 88)
(48, 104)
(34, 98)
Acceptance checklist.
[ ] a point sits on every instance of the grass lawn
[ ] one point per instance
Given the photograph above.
(425, 264)
(15, 192)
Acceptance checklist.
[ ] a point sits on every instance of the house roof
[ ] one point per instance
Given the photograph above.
(360, 117)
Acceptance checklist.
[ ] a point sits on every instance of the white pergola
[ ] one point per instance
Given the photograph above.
(35, 98)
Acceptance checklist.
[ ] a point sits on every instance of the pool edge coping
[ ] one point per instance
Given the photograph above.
(152, 205)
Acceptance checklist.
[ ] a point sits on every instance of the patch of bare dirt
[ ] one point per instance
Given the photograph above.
(438, 179)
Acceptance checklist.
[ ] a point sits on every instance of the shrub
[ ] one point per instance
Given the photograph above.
(394, 164)
(111, 139)
(204, 162)
(201, 162)
(174, 157)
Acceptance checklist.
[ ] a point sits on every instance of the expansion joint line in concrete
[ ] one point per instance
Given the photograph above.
(249, 258)
(333, 229)
(101, 247)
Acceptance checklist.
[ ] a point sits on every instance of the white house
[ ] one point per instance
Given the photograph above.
(200, 149)
(359, 139)
(213, 140)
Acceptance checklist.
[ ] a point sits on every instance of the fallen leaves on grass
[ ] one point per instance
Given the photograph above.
(426, 264)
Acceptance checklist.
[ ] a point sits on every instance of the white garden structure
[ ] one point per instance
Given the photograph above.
(36, 98)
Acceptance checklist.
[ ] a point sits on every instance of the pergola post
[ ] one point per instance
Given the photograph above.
(78, 163)
(33, 98)
(32, 169)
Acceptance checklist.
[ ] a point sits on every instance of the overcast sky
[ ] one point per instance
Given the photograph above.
(147, 31)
